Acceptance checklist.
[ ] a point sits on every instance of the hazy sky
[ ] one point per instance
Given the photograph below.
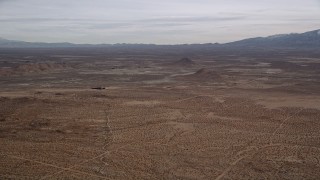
(153, 21)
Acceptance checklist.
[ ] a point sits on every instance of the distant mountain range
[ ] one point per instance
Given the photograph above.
(309, 39)
(5, 43)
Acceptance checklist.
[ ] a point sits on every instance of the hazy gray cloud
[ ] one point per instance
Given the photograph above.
(194, 19)
(145, 21)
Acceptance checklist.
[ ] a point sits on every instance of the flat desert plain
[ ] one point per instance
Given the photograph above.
(225, 115)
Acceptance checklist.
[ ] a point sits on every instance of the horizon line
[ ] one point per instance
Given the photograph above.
(123, 43)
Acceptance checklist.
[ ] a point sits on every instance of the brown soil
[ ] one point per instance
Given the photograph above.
(201, 75)
(253, 124)
(31, 68)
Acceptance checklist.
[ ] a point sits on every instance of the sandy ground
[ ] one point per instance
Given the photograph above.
(249, 125)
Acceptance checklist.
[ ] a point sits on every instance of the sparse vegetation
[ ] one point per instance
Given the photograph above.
(225, 117)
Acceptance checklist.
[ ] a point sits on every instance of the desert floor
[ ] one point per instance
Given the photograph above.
(158, 117)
